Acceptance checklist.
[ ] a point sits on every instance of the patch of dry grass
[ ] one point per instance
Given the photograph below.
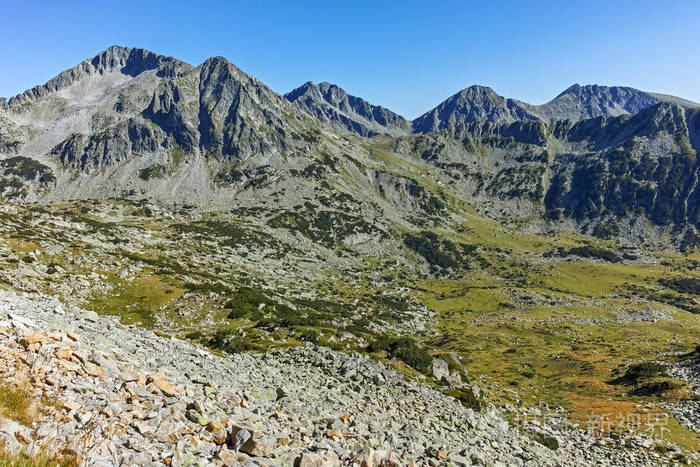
(43, 459)
(16, 404)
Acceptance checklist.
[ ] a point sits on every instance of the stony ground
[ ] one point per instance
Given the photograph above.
(688, 411)
(124, 396)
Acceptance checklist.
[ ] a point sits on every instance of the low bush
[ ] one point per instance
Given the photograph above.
(466, 397)
(653, 389)
(546, 440)
(645, 370)
(405, 349)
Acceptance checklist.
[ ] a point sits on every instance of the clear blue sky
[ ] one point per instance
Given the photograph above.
(406, 55)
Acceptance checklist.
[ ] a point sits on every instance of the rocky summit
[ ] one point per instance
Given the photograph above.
(197, 270)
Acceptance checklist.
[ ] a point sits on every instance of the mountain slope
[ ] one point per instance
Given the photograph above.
(331, 104)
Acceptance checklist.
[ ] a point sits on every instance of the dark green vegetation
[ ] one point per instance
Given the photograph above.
(27, 169)
(404, 349)
(589, 251)
(326, 227)
(439, 252)
(18, 173)
(546, 440)
(647, 379)
(685, 285)
(153, 172)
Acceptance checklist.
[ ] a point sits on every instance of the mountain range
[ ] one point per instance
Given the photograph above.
(131, 123)
(492, 282)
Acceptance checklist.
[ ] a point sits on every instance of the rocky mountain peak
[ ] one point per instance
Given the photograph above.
(589, 101)
(471, 104)
(125, 60)
(332, 104)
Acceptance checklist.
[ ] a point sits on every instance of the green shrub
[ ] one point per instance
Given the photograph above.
(652, 389)
(546, 440)
(404, 349)
(688, 285)
(438, 252)
(153, 171)
(645, 370)
(466, 397)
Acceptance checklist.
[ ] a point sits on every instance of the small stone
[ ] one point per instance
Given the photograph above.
(83, 417)
(334, 434)
(90, 315)
(366, 458)
(32, 339)
(144, 428)
(195, 417)
(159, 380)
(347, 419)
(258, 447)
(389, 461)
(22, 437)
(70, 405)
(93, 370)
(378, 379)
(71, 335)
(128, 375)
(239, 435)
(219, 437)
(315, 460)
(227, 457)
(79, 356)
(281, 393)
(214, 425)
(63, 353)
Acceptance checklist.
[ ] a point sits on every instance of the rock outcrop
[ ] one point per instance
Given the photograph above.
(331, 104)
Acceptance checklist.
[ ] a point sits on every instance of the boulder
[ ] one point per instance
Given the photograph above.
(440, 369)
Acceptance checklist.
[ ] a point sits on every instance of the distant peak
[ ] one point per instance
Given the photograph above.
(571, 89)
(217, 60)
(476, 91)
(474, 88)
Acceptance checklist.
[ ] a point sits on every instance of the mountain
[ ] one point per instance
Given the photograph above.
(475, 103)
(331, 104)
(114, 60)
(478, 103)
(581, 102)
(490, 254)
(131, 123)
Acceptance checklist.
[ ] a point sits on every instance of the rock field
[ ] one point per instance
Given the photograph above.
(122, 395)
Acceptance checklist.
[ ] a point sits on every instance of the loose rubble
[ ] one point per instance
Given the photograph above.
(687, 412)
(125, 396)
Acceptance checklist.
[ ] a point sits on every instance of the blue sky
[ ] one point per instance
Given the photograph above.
(406, 55)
